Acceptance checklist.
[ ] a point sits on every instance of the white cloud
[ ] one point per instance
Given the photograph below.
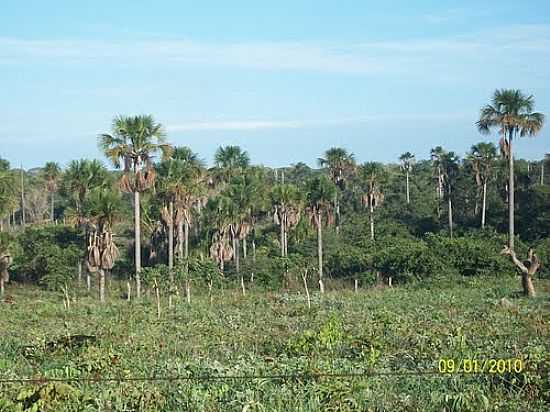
(492, 45)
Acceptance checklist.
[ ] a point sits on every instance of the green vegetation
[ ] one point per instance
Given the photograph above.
(375, 331)
(165, 267)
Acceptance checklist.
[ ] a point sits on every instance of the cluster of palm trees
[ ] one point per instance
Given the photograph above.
(230, 198)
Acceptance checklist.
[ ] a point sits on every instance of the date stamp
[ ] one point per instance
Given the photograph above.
(492, 366)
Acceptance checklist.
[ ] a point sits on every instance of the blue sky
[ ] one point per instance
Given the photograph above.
(285, 80)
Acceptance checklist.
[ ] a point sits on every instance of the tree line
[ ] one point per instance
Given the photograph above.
(185, 213)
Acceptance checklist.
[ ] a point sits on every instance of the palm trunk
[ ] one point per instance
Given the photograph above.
(52, 206)
(371, 208)
(237, 254)
(180, 241)
(23, 220)
(1, 285)
(171, 241)
(450, 203)
(408, 195)
(101, 273)
(337, 208)
(484, 207)
(245, 248)
(186, 240)
(79, 271)
(542, 173)
(282, 224)
(137, 241)
(510, 193)
(320, 250)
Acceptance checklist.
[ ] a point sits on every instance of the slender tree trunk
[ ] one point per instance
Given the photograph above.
(181, 241)
(237, 254)
(450, 203)
(52, 194)
(23, 220)
(101, 273)
(245, 248)
(2, 285)
(337, 208)
(320, 250)
(282, 224)
(408, 194)
(542, 172)
(171, 241)
(79, 272)
(371, 209)
(484, 207)
(137, 236)
(511, 192)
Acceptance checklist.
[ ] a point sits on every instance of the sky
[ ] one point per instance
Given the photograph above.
(284, 79)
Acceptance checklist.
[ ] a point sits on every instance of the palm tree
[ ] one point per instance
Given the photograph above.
(449, 168)
(230, 161)
(220, 215)
(103, 208)
(372, 176)
(340, 165)
(51, 173)
(287, 203)
(511, 112)
(8, 194)
(133, 143)
(407, 162)
(436, 154)
(320, 196)
(482, 158)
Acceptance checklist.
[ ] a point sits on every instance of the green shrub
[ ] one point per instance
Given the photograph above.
(48, 255)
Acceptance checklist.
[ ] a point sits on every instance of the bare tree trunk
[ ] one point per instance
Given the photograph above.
(408, 194)
(337, 208)
(242, 286)
(527, 284)
(304, 277)
(510, 193)
(484, 207)
(245, 248)
(137, 236)
(101, 273)
(171, 241)
(188, 291)
(79, 272)
(2, 285)
(88, 281)
(320, 250)
(542, 172)
(186, 239)
(157, 296)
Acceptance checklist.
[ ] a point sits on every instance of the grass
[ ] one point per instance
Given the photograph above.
(386, 334)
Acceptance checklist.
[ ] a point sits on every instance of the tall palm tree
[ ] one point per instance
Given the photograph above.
(511, 113)
(51, 173)
(449, 168)
(483, 157)
(340, 165)
(372, 176)
(320, 196)
(287, 204)
(230, 162)
(133, 143)
(220, 214)
(436, 154)
(407, 161)
(103, 208)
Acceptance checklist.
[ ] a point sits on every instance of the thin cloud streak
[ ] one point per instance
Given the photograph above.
(358, 58)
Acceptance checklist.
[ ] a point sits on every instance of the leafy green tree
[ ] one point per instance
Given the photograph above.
(132, 144)
(320, 196)
(511, 113)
